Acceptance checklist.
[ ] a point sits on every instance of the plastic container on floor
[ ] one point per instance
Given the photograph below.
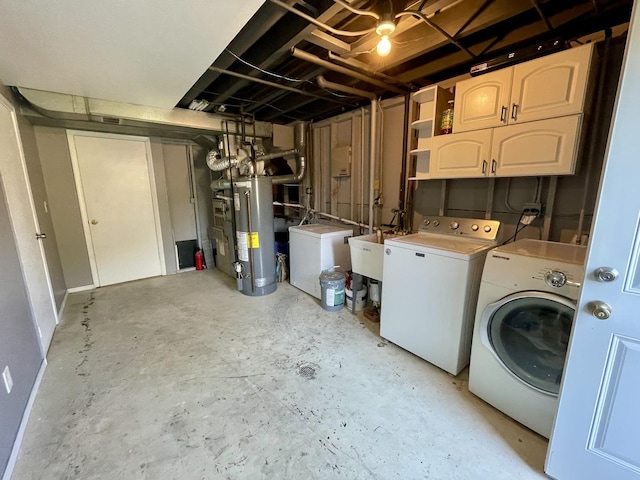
(332, 290)
(360, 298)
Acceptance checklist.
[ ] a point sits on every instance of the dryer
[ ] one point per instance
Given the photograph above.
(430, 283)
(526, 306)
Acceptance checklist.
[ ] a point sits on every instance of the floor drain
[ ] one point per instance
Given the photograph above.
(307, 371)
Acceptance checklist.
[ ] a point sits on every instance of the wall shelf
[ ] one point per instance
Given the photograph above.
(420, 151)
(427, 107)
(426, 124)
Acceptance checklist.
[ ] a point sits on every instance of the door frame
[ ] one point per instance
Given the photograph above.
(32, 208)
(71, 134)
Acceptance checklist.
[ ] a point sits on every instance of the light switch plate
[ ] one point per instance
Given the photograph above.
(8, 381)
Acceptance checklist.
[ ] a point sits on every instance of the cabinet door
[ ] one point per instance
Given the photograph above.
(460, 155)
(551, 86)
(482, 102)
(545, 147)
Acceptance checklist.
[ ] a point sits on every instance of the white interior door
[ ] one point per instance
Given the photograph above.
(25, 225)
(597, 429)
(117, 195)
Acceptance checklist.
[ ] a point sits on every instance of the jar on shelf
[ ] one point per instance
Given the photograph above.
(446, 123)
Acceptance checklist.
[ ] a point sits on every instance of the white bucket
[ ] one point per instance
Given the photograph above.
(374, 290)
(360, 298)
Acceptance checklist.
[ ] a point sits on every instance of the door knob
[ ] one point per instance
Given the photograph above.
(40, 236)
(600, 310)
(94, 222)
(605, 274)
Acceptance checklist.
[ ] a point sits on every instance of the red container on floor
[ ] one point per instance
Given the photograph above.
(199, 260)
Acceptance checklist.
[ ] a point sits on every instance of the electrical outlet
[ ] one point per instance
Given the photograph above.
(8, 381)
(532, 208)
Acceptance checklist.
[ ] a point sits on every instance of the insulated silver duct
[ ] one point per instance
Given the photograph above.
(300, 133)
(217, 163)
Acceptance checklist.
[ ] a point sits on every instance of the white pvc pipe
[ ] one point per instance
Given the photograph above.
(372, 159)
(328, 215)
(362, 145)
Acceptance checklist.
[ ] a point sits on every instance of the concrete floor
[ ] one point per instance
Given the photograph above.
(182, 377)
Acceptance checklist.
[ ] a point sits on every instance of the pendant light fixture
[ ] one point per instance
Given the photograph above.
(385, 27)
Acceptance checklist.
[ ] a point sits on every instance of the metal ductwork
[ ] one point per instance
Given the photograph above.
(210, 142)
(218, 164)
(300, 134)
(82, 113)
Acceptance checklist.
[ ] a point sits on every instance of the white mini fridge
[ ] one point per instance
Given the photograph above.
(314, 248)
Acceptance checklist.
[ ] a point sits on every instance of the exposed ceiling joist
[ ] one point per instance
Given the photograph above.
(420, 54)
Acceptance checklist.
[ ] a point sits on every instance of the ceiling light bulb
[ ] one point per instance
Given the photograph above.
(384, 46)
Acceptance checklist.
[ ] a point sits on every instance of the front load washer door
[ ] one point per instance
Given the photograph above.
(529, 333)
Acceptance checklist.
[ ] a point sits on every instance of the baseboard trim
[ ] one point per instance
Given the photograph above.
(83, 288)
(62, 305)
(23, 424)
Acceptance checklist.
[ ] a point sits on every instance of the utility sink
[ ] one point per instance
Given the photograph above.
(367, 255)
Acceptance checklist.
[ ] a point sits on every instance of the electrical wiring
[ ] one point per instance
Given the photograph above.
(266, 72)
(519, 227)
(283, 77)
(230, 96)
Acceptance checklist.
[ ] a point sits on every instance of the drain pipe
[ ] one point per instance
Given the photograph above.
(372, 158)
(328, 215)
(300, 133)
(374, 126)
(361, 193)
(302, 55)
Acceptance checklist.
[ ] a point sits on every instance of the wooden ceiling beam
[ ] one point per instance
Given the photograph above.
(277, 54)
(328, 42)
(269, 15)
(274, 96)
(496, 44)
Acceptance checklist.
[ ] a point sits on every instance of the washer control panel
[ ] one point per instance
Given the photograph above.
(467, 227)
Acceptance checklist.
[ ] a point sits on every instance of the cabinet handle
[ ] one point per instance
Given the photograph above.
(494, 164)
(503, 114)
(484, 167)
(514, 111)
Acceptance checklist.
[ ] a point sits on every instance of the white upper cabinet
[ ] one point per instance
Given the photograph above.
(551, 86)
(545, 147)
(461, 155)
(546, 87)
(481, 102)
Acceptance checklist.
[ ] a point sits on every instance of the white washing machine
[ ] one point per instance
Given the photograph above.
(525, 312)
(430, 284)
